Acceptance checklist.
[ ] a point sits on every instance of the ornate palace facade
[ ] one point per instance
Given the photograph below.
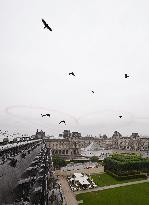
(69, 144)
(132, 143)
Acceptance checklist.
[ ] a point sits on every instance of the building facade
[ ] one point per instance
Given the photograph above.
(132, 143)
(70, 144)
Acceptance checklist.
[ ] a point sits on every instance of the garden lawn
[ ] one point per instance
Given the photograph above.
(106, 180)
(129, 195)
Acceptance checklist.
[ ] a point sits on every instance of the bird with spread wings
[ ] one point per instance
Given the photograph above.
(44, 115)
(72, 73)
(46, 25)
(63, 121)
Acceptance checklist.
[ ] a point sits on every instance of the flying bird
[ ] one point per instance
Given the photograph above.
(63, 121)
(48, 115)
(126, 76)
(44, 115)
(72, 73)
(120, 116)
(46, 25)
(93, 91)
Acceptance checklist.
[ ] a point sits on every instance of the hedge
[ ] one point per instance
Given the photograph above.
(125, 165)
(125, 177)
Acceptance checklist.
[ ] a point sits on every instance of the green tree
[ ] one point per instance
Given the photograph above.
(58, 162)
(94, 159)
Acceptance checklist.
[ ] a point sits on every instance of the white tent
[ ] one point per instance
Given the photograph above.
(82, 179)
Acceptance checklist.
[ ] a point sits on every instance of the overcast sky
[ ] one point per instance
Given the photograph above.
(99, 41)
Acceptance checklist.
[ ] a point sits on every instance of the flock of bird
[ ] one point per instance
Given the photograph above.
(6, 133)
(71, 73)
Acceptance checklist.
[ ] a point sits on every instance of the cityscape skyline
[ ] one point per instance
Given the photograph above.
(10, 136)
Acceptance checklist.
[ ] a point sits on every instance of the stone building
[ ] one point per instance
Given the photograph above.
(132, 143)
(40, 134)
(64, 147)
(70, 144)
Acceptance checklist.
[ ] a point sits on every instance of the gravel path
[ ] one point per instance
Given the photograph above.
(86, 171)
(69, 195)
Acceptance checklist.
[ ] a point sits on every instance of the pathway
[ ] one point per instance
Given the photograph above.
(69, 195)
(111, 186)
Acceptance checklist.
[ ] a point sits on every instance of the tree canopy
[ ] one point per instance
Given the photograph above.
(58, 162)
(94, 159)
